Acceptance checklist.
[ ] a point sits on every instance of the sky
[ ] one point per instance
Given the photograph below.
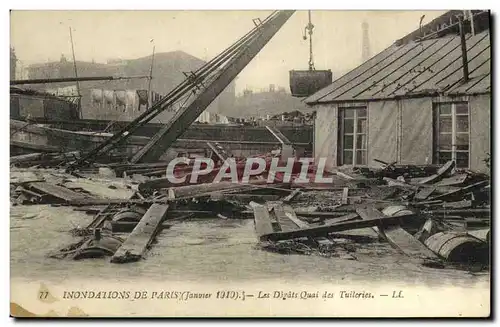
(41, 36)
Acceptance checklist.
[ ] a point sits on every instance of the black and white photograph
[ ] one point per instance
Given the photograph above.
(250, 163)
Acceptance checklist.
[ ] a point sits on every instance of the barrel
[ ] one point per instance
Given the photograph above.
(303, 83)
(130, 214)
(458, 247)
(411, 226)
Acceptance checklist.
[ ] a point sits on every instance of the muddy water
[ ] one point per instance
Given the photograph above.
(204, 251)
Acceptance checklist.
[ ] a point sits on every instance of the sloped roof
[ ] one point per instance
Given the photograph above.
(413, 69)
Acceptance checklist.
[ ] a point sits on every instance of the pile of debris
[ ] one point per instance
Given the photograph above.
(436, 215)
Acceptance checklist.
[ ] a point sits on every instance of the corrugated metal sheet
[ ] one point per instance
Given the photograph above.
(427, 67)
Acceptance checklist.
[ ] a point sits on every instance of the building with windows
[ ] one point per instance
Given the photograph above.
(415, 102)
(169, 70)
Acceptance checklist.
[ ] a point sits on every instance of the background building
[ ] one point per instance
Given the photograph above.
(168, 72)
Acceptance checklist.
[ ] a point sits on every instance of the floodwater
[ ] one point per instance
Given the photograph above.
(204, 251)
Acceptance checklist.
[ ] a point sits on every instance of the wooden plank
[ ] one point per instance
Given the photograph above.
(424, 193)
(341, 219)
(461, 191)
(57, 191)
(262, 220)
(285, 223)
(458, 204)
(454, 180)
(395, 182)
(251, 197)
(218, 150)
(278, 135)
(291, 196)
(290, 213)
(143, 234)
(345, 194)
(128, 226)
(445, 169)
(343, 175)
(337, 227)
(324, 215)
(397, 236)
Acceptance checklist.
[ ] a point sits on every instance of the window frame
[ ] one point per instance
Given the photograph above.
(454, 133)
(356, 118)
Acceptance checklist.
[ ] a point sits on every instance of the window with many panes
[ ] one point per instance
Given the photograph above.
(352, 136)
(451, 133)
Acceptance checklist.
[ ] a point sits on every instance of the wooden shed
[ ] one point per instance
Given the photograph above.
(410, 104)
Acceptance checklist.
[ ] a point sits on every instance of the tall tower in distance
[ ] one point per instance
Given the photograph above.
(365, 50)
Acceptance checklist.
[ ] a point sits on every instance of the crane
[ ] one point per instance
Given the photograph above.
(199, 88)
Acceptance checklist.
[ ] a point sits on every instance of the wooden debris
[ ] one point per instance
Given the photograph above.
(394, 182)
(291, 196)
(57, 191)
(397, 236)
(290, 213)
(458, 204)
(424, 193)
(462, 191)
(218, 150)
(143, 234)
(336, 227)
(341, 219)
(128, 226)
(344, 175)
(443, 171)
(345, 194)
(263, 225)
(285, 223)
(198, 190)
(455, 180)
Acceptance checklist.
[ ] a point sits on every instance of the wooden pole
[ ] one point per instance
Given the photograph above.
(151, 76)
(465, 63)
(76, 74)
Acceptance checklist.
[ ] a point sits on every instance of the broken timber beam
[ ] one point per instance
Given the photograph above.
(345, 194)
(461, 191)
(291, 196)
(263, 225)
(397, 237)
(57, 191)
(445, 169)
(218, 150)
(336, 227)
(424, 193)
(143, 234)
(290, 214)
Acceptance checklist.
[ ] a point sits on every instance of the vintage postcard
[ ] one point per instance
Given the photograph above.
(250, 163)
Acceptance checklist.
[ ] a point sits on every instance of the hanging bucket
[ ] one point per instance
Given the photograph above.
(304, 83)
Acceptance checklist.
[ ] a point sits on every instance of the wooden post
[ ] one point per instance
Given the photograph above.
(143, 234)
(465, 62)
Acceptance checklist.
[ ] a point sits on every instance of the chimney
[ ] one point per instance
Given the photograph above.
(465, 63)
